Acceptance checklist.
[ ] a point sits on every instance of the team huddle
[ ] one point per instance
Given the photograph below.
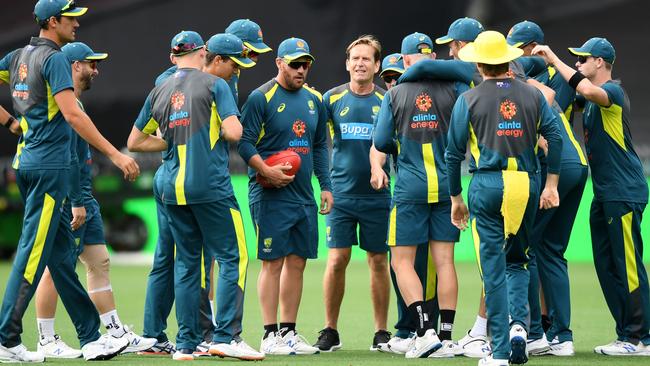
(510, 99)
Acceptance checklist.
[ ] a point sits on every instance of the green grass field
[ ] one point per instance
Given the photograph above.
(591, 324)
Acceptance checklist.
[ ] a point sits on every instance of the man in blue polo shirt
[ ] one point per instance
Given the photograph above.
(40, 80)
(285, 114)
(620, 193)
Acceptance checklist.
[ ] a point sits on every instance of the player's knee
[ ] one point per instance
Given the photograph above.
(295, 263)
(378, 262)
(338, 260)
(272, 267)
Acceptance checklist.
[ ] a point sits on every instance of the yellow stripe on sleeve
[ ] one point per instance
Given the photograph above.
(151, 127)
(52, 107)
(215, 126)
(613, 123)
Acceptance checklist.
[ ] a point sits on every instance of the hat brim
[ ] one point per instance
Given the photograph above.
(469, 54)
(244, 62)
(76, 12)
(395, 69)
(97, 56)
(294, 56)
(577, 51)
(515, 44)
(444, 40)
(259, 47)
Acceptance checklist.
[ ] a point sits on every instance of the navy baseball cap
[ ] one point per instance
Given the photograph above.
(293, 48)
(596, 47)
(230, 45)
(463, 29)
(44, 9)
(525, 33)
(416, 43)
(186, 42)
(392, 62)
(250, 33)
(79, 51)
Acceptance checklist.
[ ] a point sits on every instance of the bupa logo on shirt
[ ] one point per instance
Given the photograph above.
(509, 127)
(21, 89)
(178, 117)
(299, 144)
(356, 131)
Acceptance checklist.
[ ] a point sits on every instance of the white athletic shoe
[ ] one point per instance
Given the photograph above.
(299, 344)
(136, 342)
(537, 347)
(55, 347)
(398, 345)
(18, 354)
(489, 361)
(425, 345)
(236, 349)
(105, 348)
(183, 355)
(518, 337)
(448, 349)
(273, 344)
(561, 349)
(620, 348)
(160, 348)
(475, 347)
(202, 350)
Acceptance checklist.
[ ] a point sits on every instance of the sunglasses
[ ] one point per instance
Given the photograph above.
(91, 63)
(389, 79)
(583, 59)
(298, 64)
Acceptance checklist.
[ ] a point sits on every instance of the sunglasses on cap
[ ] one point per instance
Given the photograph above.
(183, 48)
(389, 79)
(298, 64)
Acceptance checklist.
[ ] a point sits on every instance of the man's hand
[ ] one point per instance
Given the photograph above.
(378, 179)
(549, 198)
(275, 175)
(546, 53)
(459, 212)
(78, 217)
(326, 202)
(543, 144)
(127, 165)
(15, 128)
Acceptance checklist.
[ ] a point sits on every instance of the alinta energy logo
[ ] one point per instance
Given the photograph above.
(299, 144)
(21, 89)
(424, 120)
(178, 117)
(509, 127)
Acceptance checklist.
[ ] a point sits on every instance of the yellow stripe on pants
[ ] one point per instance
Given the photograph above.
(41, 234)
(630, 252)
(241, 244)
(516, 189)
(392, 227)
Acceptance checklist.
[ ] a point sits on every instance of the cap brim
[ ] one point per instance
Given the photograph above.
(397, 70)
(514, 44)
(297, 55)
(469, 54)
(259, 47)
(244, 62)
(577, 51)
(76, 12)
(444, 40)
(97, 56)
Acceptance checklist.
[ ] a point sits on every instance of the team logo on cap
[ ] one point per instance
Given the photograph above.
(508, 109)
(178, 100)
(299, 128)
(300, 44)
(392, 60)
(22, 72)
(421, 38)
(423, 102)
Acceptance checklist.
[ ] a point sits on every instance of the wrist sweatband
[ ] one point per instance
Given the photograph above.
(576, 79)
(9, 121)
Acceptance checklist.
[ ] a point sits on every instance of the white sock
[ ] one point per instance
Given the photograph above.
(480, 327)
(112, 323)
(45, 327)
(214, 321)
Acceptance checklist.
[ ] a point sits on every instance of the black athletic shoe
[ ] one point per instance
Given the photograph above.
(328, 340)
(381, 337)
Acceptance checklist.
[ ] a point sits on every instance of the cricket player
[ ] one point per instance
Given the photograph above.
(40, 80)
(286, 114)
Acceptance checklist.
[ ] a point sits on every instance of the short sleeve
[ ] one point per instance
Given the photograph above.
(58, 72)
(223, 98)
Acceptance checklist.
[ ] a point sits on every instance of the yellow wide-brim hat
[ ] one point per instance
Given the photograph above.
(490, 47)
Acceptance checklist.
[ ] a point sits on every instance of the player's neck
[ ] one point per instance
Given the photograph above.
(51, 35)
(601, 78)
(501, 76)
(362, 88)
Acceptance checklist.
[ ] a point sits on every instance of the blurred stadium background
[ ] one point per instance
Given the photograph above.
(136, 35)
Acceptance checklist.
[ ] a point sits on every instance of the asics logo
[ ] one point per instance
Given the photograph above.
(344, 111)
(629, 348)
(281, 107)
